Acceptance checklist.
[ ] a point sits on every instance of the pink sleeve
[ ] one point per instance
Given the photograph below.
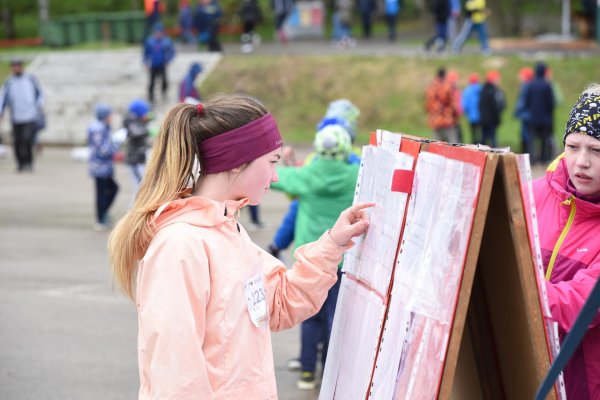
(567, 298)
(298, 293)
(172, 294)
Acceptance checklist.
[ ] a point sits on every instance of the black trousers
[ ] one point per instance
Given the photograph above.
(157, 72)
(106, 191)
(543, 134)
(23, 138)
(475, 132)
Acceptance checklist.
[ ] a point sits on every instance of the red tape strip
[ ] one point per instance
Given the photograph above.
(373, 139)
(402, 180)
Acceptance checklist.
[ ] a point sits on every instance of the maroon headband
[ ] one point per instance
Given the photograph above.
(239, 146)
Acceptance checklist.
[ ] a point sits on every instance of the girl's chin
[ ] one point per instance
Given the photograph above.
(586, 190)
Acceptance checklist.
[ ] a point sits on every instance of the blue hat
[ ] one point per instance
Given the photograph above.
(196, 68)
(139, 107)
(333, 121)
(102, 111)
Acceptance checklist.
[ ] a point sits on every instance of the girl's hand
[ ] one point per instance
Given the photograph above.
(352, 222)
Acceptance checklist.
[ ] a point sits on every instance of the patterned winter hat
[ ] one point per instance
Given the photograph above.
(333, 142)
(585, 116)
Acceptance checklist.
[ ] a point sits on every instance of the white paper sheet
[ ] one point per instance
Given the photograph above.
(336, 340)
(371, 260)
(436, 236)
(427, 278)
(388, 140)
(353, 343)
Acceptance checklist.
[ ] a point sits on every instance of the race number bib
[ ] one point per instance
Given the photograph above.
(257, 300)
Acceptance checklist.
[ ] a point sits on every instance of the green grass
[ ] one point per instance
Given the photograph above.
(388, 90)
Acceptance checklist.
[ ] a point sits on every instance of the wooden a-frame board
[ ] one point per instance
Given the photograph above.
(498, 347)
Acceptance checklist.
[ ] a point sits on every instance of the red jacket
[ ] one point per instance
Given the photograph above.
(574, 271)
(440, 103)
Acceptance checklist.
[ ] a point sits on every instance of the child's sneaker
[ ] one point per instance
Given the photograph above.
(100, 227)
(307, 381)
(293, 364)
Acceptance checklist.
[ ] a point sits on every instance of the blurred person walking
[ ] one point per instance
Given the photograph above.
(539, 104)
(185, 21)
(366, 9)
(21, 93)
(522, 113)
(251, 15)
(207, 22)
(342, 24)
(440, 9)
(100, 164)
(159, 51)
(392, 9)
(491, 104)
(153, 10)
(453, 20)
(281, 10)
(470, 105)
(475, 21)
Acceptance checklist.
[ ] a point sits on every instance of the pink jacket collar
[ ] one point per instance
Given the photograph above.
(199, 211)
(558, 179)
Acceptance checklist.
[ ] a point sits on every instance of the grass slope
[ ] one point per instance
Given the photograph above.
(388, 90)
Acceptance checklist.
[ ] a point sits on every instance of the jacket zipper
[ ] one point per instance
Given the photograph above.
(568, 202)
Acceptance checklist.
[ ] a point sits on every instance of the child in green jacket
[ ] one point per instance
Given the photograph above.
(323, 187)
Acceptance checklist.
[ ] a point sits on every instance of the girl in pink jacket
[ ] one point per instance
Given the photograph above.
(206, 295)
(568, 207)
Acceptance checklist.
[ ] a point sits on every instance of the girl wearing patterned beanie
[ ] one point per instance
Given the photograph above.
(567, 200)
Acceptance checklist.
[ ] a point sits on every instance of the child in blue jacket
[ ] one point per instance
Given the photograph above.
(100, 163)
